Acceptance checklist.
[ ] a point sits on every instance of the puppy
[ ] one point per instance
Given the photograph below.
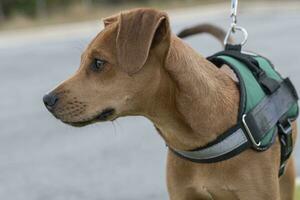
(136, 66)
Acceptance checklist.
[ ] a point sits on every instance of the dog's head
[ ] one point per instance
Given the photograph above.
(119, 71)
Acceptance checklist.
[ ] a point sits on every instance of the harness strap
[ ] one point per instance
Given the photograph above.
(262, 118)
(250, 62)
(286, 143)
(226, 148)
(253, 126)
(268, 84)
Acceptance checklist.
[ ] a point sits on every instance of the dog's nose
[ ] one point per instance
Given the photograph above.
(50, 100)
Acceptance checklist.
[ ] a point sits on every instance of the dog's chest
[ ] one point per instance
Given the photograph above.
(215, 193)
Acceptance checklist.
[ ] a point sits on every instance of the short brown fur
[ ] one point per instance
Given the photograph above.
(153, 73)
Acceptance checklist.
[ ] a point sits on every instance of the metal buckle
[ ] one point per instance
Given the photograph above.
(287, 128)
(255, 144)
(286, 143)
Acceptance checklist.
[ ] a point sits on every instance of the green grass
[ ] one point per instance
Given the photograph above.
(297, 196)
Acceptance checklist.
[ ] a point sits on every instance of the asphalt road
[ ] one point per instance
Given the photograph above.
(43, 159)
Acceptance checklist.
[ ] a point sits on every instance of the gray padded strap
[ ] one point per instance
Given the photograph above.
(230, 143)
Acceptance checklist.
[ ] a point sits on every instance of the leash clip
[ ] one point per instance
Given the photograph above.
(233, 27)
(234, 6)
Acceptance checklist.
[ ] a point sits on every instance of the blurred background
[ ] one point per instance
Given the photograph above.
(24, 13)
(40, 45)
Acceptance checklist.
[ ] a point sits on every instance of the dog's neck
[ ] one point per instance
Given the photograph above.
(196, 101)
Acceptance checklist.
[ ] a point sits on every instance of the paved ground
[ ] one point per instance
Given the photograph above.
(42, 159)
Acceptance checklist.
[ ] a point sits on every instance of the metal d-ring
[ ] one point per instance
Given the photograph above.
(254, 143)
(233, 28)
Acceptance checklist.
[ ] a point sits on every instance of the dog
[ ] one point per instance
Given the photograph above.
(137, 66)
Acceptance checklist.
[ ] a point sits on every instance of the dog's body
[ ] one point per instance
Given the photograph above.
(149, 71)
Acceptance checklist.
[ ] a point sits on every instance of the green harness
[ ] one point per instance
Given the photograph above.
(268, 104)
(254, 91)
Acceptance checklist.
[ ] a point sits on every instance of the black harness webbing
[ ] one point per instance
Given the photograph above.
(254, 125)
(270, 110)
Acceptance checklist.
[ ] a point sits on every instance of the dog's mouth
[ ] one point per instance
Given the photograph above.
(106, 114)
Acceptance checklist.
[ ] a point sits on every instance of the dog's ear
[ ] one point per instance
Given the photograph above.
(138, 32)
(111, 19)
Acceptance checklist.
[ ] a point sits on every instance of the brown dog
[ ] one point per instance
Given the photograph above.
(135, 66)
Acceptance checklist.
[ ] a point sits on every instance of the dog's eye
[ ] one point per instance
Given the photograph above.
(98, 65)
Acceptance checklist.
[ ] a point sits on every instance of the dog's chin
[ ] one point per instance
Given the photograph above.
(105, 115)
